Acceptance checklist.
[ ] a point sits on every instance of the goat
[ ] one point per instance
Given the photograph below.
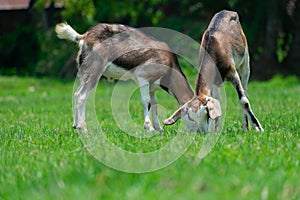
(121, 52)
(223, 56)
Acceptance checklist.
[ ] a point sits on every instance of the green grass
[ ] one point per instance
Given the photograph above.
(42, 157)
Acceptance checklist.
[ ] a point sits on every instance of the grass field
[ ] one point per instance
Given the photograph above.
(42, 157)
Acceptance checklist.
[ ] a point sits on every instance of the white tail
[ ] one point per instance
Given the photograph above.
(65, 31)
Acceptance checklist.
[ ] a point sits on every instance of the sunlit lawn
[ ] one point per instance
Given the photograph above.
(42, 157)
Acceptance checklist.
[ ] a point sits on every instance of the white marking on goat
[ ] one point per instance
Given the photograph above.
(244, 100)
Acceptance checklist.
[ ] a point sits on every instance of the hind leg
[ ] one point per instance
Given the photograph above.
(80, 98)
(90, 70)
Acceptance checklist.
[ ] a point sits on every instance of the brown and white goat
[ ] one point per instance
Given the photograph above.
(223, 56)
(122, 52)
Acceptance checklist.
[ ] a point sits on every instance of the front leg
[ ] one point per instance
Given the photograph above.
(155, 119)
(245, 104)
(146, 101)
(247, 108)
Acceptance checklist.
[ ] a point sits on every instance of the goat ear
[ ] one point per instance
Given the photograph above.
(214, 108)
(176, 115)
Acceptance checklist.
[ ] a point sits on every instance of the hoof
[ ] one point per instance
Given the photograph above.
(160, 129)
(150, 129)
(259, 129)
(148, 126)
(82, 129)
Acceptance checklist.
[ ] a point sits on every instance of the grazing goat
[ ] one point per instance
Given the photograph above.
(122, 52)
(223, 56)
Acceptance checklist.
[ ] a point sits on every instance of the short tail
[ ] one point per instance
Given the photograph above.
(65, 31)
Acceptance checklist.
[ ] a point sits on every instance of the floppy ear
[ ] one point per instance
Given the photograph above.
(176, 115)
(214, 108)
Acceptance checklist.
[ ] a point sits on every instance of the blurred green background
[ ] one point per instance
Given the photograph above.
(29, 47)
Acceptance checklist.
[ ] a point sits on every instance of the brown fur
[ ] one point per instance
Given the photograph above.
(148, 60)
(223, 56)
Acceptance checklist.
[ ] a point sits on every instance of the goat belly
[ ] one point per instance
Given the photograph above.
(116, 72)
